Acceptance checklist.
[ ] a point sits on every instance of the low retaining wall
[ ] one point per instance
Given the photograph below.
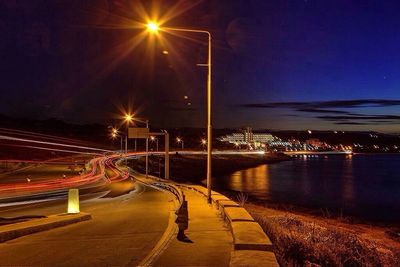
(251, 246)
(12, 231)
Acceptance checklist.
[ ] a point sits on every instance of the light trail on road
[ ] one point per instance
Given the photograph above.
(10, 138)
(104, 170)
(7, 131)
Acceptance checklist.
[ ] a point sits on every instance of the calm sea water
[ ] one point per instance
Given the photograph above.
(362, 185)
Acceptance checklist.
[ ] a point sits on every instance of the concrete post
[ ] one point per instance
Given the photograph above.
(73, 201)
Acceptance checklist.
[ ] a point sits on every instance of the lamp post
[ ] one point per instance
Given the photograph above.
(180, 141)
(153, 138)
(115, 134)
(154, 28)
(147, 143)
(203, 142)
(128, 119)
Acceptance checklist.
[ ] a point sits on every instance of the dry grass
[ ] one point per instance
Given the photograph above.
(303, 243)
(242, 198)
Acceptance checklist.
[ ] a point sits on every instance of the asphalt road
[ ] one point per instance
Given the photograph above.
(123, 231)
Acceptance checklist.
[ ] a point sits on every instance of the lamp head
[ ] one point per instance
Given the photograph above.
(152, 27)
(128, 117)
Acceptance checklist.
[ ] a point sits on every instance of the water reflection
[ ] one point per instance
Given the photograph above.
(250, 180)
(348, 180)
(355, 184)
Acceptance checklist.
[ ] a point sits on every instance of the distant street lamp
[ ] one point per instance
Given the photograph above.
(203, 142)
(153, 138)
(180, 141)
(128, 119)
(154, 27)
(131, 118)
(114, 134)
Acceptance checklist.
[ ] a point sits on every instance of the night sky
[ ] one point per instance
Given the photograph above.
(306, 64)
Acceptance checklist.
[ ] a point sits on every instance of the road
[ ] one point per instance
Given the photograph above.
(123, 231)
(132, 223)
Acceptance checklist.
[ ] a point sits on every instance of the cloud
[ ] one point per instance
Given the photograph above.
(355, 103)
(361, 117)
(317, 110)
(330, 110)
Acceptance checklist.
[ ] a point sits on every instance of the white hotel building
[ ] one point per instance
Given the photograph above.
(247, 137)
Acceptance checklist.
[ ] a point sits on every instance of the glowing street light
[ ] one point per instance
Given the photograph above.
(114, 134)
(128, 118)
(154, 27)
(180, 141)
(153, 138)
(203, 142)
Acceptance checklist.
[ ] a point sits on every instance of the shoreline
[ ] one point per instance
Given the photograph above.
(301, 235)
(192, 169)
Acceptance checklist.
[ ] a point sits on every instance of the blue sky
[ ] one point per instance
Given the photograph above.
(58, 61)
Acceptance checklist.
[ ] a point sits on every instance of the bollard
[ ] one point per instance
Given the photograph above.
(73, 201)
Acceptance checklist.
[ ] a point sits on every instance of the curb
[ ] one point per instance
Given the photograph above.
(12, 231)
(251, 246)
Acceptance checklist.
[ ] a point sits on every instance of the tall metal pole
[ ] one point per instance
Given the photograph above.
(121, 151)
(147, 150)
(209, 127)
(166, 155)
(126, 147)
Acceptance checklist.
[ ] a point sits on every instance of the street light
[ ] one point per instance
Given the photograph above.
(153, 138)
(114, 134)
(180, 141)
(130, 118)
(203, 142)
(154, 27)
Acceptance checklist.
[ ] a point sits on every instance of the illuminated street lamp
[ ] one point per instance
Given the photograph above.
(153, 27)
(203, 142)
(114, 134)
(153, 138)
(128, 119)
(180, 141)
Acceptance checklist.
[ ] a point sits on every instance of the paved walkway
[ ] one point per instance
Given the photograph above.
(211, 239)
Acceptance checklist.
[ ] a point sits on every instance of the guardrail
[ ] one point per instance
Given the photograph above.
(173, 189)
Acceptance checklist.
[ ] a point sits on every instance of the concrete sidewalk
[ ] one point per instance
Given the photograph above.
(210, 239)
